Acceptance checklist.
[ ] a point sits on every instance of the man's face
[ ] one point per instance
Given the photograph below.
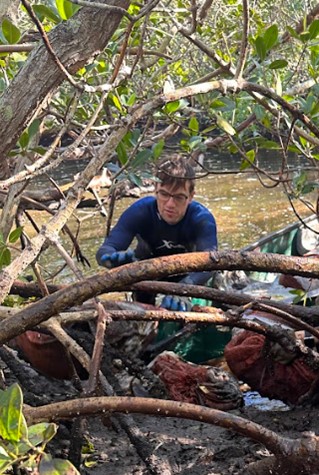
(172, 202)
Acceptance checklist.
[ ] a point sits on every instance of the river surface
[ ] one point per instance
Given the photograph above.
(244, 211)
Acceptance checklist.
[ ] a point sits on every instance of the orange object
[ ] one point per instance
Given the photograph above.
(45, 353)
(246, 359)
(197, 384)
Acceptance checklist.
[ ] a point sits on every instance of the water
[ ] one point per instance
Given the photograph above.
(244, 210)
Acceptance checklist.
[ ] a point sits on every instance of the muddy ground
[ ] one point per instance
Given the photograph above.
(143, 445)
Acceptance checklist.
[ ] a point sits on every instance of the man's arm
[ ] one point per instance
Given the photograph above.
(114, 251)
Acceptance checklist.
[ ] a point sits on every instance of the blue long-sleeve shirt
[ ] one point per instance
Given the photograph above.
(195, 232)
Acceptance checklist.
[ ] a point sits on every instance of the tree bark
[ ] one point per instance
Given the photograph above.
(9, 9)
(122, 277)
(75, 42)
(307, 314)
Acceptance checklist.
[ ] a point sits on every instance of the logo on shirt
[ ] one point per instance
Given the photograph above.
(170, 245)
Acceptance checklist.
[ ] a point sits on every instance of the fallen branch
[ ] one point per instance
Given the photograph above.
(308, 314)
(303, 453)
(121, 278)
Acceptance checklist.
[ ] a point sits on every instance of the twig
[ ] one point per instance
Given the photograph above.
(103, 319)
(34, 170)
(244, 41)
(79, 86)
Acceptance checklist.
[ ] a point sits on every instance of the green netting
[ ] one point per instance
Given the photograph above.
(206, 343)
(283, 244)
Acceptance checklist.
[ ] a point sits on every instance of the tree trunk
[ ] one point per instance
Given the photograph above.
(9, 9)
(75, 42)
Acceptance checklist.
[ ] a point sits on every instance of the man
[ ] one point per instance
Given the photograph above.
(169, 223)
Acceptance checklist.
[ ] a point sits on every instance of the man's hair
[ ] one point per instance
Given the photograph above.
(176, 171)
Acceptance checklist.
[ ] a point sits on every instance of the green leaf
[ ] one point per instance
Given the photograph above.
(70, 8)
(5, 256)
(131, 100)
(158, 148)
(24, 140)
(66, 9)
(49, 466)
(314, 56)
(116, 102)
(141, 158)
(193, 124)
(33, 128)
(304, 36)
(223, 124)
(217, 104)
(2, 84)
(121, 153)
(313, 29)
(195, 141)
(184, 145)
(278, 64)
(251, 155)
(304, 142)
(12, 423)
(15, 234)
(209, 129)
(38, 434)
(271, 36)
(5, 460)
(260, 112)
(41, 433)
(260, 48)
(3, 452)
(267, 144)
(42, 12)
(174, 106)
(229, 105)
(133, 137)
(135, 179)
(10, 32)
(292, 32)
(88, 448)
(294, 149)
(40, 150)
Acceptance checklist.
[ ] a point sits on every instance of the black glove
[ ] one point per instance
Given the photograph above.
(118, 258)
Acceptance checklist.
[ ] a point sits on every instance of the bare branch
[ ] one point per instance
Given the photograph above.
(158, 407)
(120, 278)
(25, 47)
(103, 6)
(244, 41)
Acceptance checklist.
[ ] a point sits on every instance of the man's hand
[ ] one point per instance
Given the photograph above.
(177, 304)
(118, 258)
